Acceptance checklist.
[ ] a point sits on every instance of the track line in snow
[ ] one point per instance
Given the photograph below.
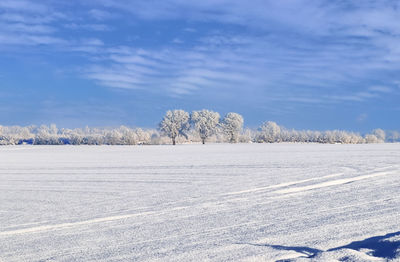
(281, 185)
(305, 188)
(65, 225)
(331, 183)
(25, 224)
(81, 223)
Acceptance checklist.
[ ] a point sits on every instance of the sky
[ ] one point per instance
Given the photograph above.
(304, 64)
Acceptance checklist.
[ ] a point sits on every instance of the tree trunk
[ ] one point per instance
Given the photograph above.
(203, 140)
(173, 141)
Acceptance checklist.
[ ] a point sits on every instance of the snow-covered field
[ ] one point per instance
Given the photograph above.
(221, 202)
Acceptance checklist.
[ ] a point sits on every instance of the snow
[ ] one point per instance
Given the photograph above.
(213, 202)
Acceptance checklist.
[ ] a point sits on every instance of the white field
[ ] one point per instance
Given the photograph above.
(242, 202)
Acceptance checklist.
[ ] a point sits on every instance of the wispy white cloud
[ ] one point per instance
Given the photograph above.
(177, 41)
(362, 118)
(92, 27)
(91, 42)
(380, 89)
(101, 15)
(27, 28)
(28, 23)
(25, 18)
(173, 70)
(30, 40)
(190, 30)
(29, 6)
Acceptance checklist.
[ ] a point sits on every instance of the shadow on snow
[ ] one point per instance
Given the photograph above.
(307, 251)
(380, 247)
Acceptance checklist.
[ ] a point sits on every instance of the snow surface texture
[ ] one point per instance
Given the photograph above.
(221, 202)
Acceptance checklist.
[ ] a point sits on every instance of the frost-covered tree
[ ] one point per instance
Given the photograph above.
(247, 136)
(205, 122)
(394, 136)
(143, 137)
(113, 137)
(380, 134)
(128, 136)
(175, 123)
(47, 135)
(371, 139)
(269, 132)
(53, 130)
(232, 125)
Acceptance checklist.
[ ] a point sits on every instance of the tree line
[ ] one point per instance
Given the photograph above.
(178, 126)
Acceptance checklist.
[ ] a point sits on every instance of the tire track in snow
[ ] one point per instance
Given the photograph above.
(281, 185)
(80, 223)
(315, 186)
(331, 183)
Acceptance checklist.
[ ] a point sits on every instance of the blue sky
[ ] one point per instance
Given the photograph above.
(302, 63)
